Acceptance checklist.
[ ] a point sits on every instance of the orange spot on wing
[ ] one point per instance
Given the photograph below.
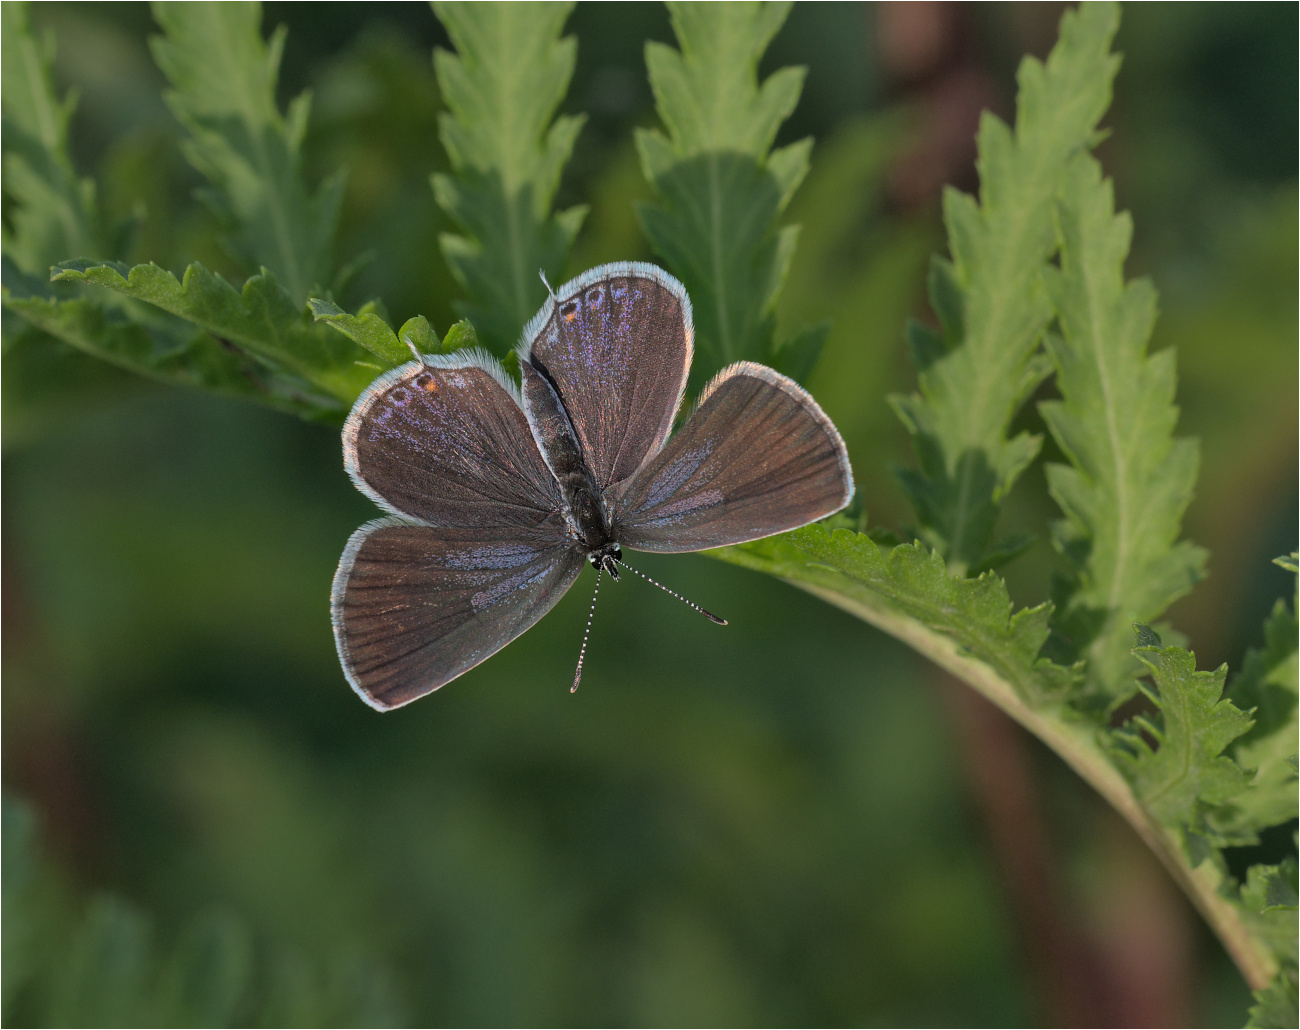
(431, 386)
(570, 316)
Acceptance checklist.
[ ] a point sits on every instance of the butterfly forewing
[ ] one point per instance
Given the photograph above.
(444, 441)
(616, 344)
(756, 457)
(415, 606)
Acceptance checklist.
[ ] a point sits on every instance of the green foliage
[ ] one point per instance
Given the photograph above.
(510, 71)
(373, 333)
(1129, 481)
(54, 216)
(1268, 898)
(258, 343)
(912, 582)
(223, 81)
(1277, 1005)
(308, 366)
(1177, 763)
(976, 372)
(721, 187)
(54, 212)
(104, 967)
(1267, 687)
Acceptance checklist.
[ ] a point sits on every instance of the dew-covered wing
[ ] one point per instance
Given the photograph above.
(616, 343)
(445, 441)
(415, 606)
(756, 457)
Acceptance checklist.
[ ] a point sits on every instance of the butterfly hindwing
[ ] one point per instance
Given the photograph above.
(757, 456)
(415, 606)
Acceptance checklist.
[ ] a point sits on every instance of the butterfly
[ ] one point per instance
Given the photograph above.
(498, 492)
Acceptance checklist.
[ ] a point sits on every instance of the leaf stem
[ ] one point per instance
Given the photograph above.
(1077, 744)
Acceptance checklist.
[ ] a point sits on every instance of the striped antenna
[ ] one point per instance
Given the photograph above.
(582, 654)
(707, 614)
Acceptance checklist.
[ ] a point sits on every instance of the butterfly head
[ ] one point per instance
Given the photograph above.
(606, 557)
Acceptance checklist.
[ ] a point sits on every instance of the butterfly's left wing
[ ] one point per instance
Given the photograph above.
(415, 606)
(757, 456)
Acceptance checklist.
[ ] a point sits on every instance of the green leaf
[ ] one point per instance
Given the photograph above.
(106, 965)
(223, 79)
(53, 214)
(721, 187)
(313, 366)
(1176, 763)
(158, 346)
(1267, 685)
(365, 328)
(1277, 1005)
(1129, 481)
(106, 979)
(502, 87)
(207, 975)
(1268, 898)
(990, 299)
(911, 582)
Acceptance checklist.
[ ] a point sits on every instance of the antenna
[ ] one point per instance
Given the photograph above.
(413, 348)
(547, 282)
(707, 614)
(577, 675)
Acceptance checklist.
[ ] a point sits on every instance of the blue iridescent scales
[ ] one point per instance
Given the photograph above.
(498, 492)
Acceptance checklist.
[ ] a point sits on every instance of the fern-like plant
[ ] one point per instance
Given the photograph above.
(1033, 287)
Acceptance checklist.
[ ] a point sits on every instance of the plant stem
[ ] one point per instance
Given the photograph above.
(1076, 742)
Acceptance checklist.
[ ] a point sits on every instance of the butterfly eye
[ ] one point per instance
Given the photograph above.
(596, 298)
(426, 383)
(569, 309)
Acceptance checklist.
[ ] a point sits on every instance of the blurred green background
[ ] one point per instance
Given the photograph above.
(793, 820)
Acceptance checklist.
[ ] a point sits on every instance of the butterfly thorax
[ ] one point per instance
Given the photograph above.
(563, 456)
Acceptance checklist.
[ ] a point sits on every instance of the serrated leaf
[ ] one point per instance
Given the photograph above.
(1176, 763)
(1129, 481)
(990, 299)
(502, 87)
(223, 79)
(53, 214)
(166, 349)
(1267, 684)
(912, 582)
(720, 187)
(460, 335)
(418, 333)
(366, 328)
(261, 321)
(1268, 901)
(1276, 1006)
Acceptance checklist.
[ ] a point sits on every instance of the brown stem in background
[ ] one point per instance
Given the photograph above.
(1117, 958)
(43, 757)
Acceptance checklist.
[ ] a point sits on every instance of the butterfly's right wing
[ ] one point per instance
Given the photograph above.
(415, 606)
(757, 456)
